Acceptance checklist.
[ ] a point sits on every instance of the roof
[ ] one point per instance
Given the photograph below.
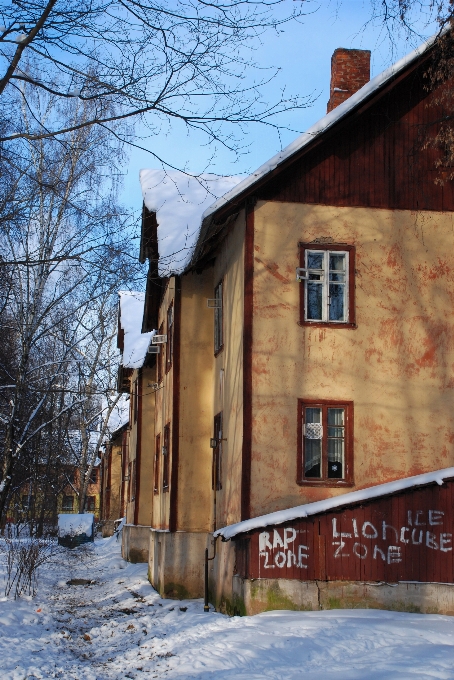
(135, 342)
(306, 139)
(309, 509)
(179, 201)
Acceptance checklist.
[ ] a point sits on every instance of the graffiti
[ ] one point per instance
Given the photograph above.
(411, 533)
(289, 552)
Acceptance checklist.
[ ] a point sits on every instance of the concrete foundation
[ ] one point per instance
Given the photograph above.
(176, 563)
(135, 543)
(255, 596)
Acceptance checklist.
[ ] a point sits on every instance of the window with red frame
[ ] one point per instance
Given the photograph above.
(327, 293)
(166, 458)
(218, 319)
(157, 455)
(325, 443)
(169, 344)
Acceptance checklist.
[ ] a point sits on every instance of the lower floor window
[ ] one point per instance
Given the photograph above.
(90, 503)
(325, 442)
(68, 503)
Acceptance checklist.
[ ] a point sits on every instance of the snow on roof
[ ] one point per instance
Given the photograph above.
(120, 414)
(321, 126)
(179, 201)
(301, 511)
(73, 524)
(135, 342)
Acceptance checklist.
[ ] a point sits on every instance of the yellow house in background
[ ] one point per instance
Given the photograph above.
(300, 353)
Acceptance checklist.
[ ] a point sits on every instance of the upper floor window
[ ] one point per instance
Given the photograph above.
(169, 344)
(218, 319)
(166, 459)
(157, 455)
(325, 443)
(159, 358)
(327, 274)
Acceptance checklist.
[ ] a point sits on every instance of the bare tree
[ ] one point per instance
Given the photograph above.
(65, 246)
(187, 60)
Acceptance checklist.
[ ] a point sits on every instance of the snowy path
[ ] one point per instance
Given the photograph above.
(119, 628)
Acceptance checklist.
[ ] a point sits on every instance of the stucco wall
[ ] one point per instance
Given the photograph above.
(396, 366)
(145, 496)
(227, 395)
(196, 405)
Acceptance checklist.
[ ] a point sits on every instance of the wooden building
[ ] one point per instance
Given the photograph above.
(306, 351)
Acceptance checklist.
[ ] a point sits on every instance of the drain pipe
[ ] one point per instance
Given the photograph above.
(206, 606)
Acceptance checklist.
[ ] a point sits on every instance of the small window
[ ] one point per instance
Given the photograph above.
(90, 503)
(165, 458)
(325, 443)
(157, 456)
(169, 344)
(28, 502)
(327, 285)
(67, 504)
(94, 476)
(216, 479)
(218, 319)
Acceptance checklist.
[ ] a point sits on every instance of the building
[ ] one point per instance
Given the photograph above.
(113, 463)
(305, 356)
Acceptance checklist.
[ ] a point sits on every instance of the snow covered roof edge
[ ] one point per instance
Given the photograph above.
(309, 509)
(322, 125)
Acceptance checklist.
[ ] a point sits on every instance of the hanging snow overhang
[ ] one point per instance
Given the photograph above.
(346, 499)
(221, 211)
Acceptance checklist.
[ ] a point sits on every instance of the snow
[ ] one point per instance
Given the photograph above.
(72, 524)
(117, 627)
(321, 125)
(301, 511)
(135, 342)
(120, 414)
(179, 200)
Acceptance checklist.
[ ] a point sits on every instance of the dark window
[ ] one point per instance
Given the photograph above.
(67, 504)
(218, 319)
(94, 476)
(169, 344)
(90, 503)
(165, 458)
(157, 456)
(325, 443)
(28, 502)
(327, 275)
(159, 358)
(216, 478)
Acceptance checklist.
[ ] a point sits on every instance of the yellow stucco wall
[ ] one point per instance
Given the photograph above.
(397, 365)
(145, 498)
(228, 372)
(196, 403)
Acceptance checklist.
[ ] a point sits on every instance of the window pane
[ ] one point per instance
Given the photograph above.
(337, 262)
(314, 260)
(336, 450)
(312, 444)
(314, 300)
(336, 302)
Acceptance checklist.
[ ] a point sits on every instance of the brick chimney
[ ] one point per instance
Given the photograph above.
(350, 70)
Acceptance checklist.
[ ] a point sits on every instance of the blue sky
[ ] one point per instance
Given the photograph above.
(302, 52)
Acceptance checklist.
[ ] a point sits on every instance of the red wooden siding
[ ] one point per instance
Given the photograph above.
(404, 537)
(373, 158)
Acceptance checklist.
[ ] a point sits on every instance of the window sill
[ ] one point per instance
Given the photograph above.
(327, 324)
(326, 482)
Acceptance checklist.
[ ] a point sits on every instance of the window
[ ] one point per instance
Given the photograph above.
(165, 458)
(325, 443)
(216, 480)
(159, 358)
(94, 476)
(90, 504)
(133, 480)
(157, 455)
(218, 319)
(327, 277)
(67, 504)
(28, 502)
(169, 344)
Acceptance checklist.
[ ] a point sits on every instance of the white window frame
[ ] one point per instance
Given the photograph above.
(325, 285)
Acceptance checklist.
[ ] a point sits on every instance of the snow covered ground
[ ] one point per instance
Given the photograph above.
(118, 627)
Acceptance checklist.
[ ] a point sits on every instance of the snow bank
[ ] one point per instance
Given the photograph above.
(135, 342)
(179, 201)
(322, 125)
(301, 511)
(73, 525)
